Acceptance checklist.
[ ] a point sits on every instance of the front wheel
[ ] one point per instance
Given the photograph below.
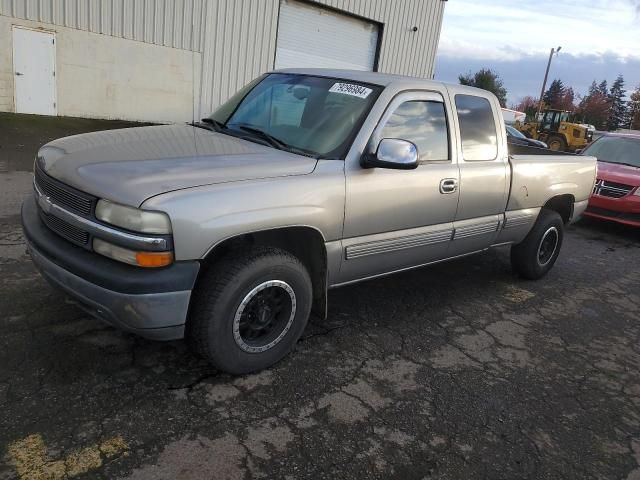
(250, 309)
(538, 252)
(556, 143)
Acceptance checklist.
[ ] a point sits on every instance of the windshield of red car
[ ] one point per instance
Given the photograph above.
(623, 150)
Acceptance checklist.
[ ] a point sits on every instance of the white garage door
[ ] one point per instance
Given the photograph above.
(314, 37)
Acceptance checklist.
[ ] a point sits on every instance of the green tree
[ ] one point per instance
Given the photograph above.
(618, 105)
(486, 79)
(553, 97)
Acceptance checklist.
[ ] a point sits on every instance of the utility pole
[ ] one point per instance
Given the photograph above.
(544, 83)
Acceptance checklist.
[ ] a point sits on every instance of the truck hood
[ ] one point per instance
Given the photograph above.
(614, 172)
(130, 165)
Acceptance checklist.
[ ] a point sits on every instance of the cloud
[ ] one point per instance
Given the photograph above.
(599, 39)
(523, 76)
(504, 28)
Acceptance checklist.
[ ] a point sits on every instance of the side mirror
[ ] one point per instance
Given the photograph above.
(392, 153)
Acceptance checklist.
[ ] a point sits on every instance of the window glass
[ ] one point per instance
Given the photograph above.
(313, 115)
(624, 150)
(423, 123)
(477, 128)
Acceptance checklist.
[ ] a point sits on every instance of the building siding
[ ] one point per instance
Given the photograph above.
(233, 41)
(170, 23)
(245, 32)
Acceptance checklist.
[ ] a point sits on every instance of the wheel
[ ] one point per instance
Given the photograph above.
(250, 309)
(537, 253)
(556, 143)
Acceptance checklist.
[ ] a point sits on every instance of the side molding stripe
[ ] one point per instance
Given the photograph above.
(399, 243)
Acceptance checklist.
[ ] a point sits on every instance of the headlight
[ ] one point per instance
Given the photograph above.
(140, 259)
(134, 219)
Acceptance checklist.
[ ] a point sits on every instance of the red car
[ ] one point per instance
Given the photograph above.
(616, 194)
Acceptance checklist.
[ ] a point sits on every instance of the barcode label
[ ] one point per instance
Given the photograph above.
(351, 89)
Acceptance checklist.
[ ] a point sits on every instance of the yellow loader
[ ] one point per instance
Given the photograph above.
(558, 131)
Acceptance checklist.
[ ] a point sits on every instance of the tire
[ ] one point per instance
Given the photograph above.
(556, 143)
(538, 252)
(239, 299)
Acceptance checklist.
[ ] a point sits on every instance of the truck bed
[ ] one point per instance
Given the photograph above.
(539, 174)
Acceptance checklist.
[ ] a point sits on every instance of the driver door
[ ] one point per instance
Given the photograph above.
(397, 219)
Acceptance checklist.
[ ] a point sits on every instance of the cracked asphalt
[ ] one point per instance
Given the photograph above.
(461, 370)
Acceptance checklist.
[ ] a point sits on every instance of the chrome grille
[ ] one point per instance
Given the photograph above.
(66, 230)
(611, 189)
(64, 195)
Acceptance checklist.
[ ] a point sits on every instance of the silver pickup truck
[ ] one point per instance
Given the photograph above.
(230, 231)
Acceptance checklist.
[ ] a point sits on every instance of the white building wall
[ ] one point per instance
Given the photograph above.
(104, 77)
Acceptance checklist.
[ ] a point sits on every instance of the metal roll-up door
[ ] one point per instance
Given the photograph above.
(314, 37)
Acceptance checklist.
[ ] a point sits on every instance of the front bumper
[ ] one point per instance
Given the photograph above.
(151, 303)
(624, 210)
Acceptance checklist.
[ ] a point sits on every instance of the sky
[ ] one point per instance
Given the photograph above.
(599, 38)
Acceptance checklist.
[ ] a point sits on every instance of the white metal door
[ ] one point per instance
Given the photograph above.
(34, 62)
(311, 36)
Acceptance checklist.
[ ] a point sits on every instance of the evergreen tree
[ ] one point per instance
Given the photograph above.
(618, 105)
(553, 97)
(567, 100)
(634, 110)
(602, 88)
(486, 79)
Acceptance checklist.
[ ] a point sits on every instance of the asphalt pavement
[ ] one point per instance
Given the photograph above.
(458, 371)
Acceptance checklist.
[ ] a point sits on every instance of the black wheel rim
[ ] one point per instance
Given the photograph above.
(548, 246)
(264, 316)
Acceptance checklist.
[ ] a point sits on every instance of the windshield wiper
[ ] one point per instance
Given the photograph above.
(274, 141)
(215, 123)
(210, 124)
(620, 163)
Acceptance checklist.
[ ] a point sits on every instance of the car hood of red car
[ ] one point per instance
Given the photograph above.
(615, 172)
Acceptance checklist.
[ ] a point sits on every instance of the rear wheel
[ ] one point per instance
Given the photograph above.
(556, 143)
(537, 254)
(250, 309)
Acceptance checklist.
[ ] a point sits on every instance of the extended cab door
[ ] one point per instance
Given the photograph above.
(484, 170)
(396, 219)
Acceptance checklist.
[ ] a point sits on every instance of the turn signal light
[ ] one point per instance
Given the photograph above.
(139, 259)
(154, 259)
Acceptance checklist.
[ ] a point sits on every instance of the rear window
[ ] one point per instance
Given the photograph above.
(477, 128)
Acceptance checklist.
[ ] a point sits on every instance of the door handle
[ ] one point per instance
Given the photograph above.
(448, 185)
(18, 74)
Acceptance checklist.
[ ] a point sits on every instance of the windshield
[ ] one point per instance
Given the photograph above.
(625, 150)
(300, 113)
(514, 132)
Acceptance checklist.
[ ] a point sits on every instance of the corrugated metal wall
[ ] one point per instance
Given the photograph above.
(244, 33)
(402, 51)
(172, 23)
(239, 44)
(237, 38)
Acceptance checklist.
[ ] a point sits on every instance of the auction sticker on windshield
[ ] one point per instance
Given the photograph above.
(351, 89)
